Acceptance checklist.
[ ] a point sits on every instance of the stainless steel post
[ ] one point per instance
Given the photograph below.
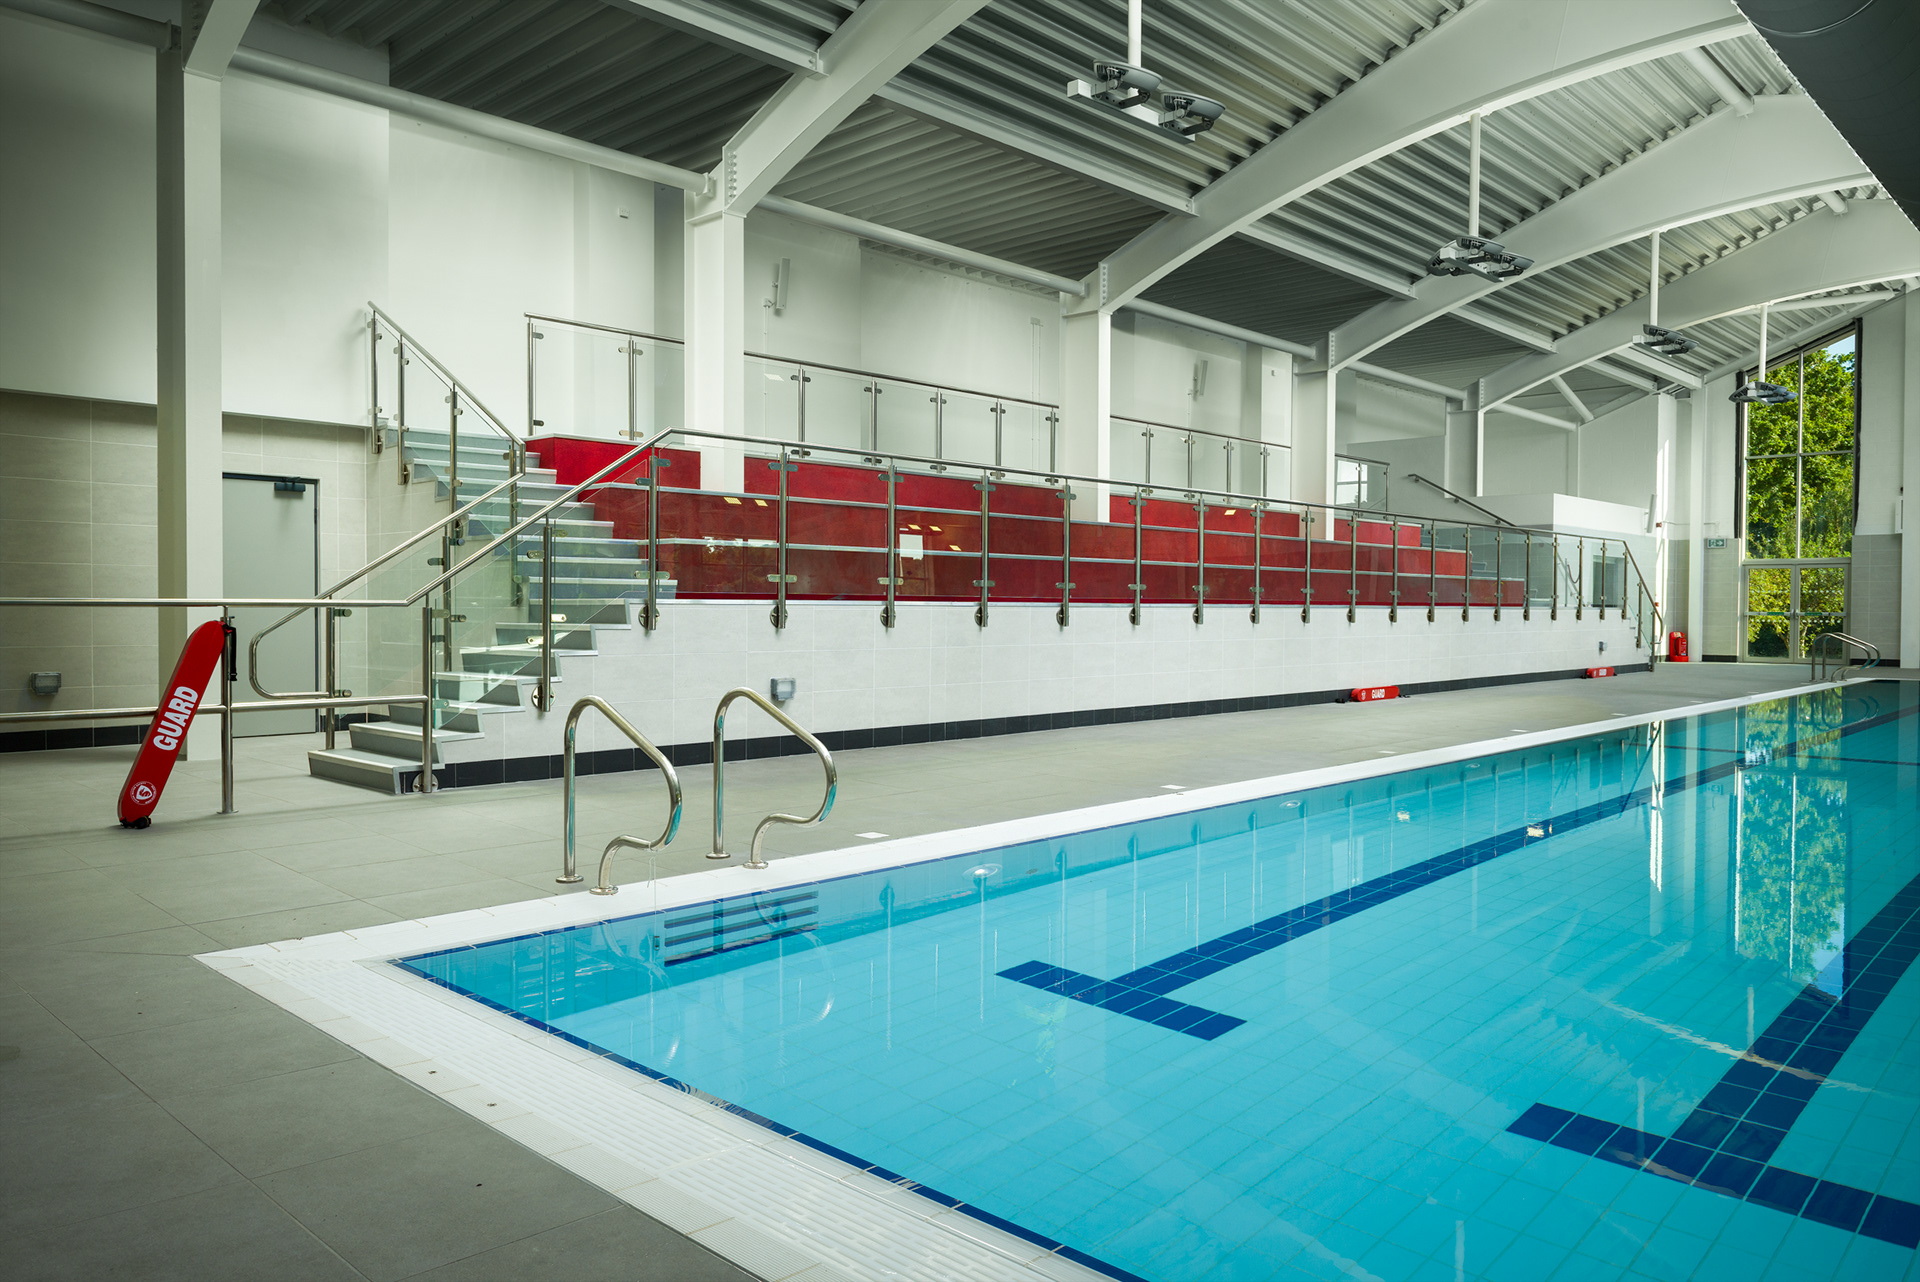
(892, 581)
(400, 408)
(1259, 509)
(1580, 583)
(999, 413)
(373, 374)
(939, 399)
(1601, 586)
(544, 693)
(1139, 584)
(633, 388)
(1200, 564)
(330, 669)
(453, 446)
(1553, 607)
(229, 661)
(1306, 540)
(426, 709)
(1066, 553)
(781, 578)
(985, 581)
(800, 401)
(1353, 566)
(1393, 607)
(1433, 568)
(1466, 575)
(873, 415)
(650, 613)
(1499, 581)
(1526, 585)
(533, 418)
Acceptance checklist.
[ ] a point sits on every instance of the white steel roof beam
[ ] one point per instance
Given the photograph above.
(1703, 173)
(868, 49)
(794, 53)
(1489, 56)
(1819, 253)
(210, 42)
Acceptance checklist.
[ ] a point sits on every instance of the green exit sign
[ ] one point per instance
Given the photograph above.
(1716, 543)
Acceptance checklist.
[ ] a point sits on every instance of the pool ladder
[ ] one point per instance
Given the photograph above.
(570, 875)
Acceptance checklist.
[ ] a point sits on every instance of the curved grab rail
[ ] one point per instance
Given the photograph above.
(1818, 666)
(719, 768)
(568, 874)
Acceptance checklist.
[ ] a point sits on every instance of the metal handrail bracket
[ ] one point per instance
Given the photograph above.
(754, 860)
(568, 874)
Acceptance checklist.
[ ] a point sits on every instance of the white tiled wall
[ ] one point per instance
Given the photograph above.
(937, 665)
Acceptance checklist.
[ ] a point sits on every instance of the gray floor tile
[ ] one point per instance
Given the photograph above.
(614, 1246)
(293, 923)
(156, 993)
(233, 1233)
(293, 1119)
(259, 1042)
(419, 1203)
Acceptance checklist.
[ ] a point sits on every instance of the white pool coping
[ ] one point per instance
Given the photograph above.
(774, 1206)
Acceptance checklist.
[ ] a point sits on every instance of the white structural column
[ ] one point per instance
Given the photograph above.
(1660, 513)
(1319, 398)
(1266, 415)
(868, 49)
(1823, 251)
(1488, 56)
(1086, 406)
(187, 412)
(1465, 452)
(1705, 172)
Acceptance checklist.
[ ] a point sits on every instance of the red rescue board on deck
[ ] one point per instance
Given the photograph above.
(1367, 694)
(1599, 672)
(178, 702)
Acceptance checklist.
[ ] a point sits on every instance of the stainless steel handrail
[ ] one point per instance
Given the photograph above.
(719, 774)
(568, 874)
(447, 376)
(1818, 666)
(904, 382)
(604, 329)
(1498, 520)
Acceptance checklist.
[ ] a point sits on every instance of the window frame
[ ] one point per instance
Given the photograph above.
(1799, 457)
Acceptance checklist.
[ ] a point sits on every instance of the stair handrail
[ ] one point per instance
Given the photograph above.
(1653, 606)
(719, 775)
(253, 648)
(568, 874)
(517, 459)
(1497, 518)
(1817, 665)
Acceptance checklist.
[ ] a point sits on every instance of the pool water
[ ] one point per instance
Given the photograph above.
(1627, 1006)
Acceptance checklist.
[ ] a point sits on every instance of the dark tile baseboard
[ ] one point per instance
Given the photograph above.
(96, 736)
(471, 774)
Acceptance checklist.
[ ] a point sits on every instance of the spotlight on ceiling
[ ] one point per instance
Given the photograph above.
(1123, 86)
(1486, 258)
(1185, 114)
(1758, 393)
(1664, 342)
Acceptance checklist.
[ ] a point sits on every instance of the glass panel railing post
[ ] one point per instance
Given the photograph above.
(999, 411)
(1393, 598)
(1066, 553)
(780, 576)
(650, 612)
(373, 374)
(1499, 580)
(632, 352)
(400, 408)
(872, 441)
(1353, 565)
(1433, 568)
(1053, 438)
(1259, 510)
(1580, 582)
(1200, 564)
(533, 382)
(1306, 541)
(453, 445)
(543, 693)
(939, 400)
(1553, 583)
(425, 783)
(801, 379)
(1601, 585)
(985, 581)
(1139, 584)
(330, 669)
(889, 615)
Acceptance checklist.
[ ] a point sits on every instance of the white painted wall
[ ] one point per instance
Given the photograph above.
(1154, 371)
(1883, 345)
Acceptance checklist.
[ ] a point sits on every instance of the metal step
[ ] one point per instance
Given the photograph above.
(455, 714)
(574, 638)
(402, 742)
(361, 769)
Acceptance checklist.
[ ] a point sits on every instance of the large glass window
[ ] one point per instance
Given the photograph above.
(1799, 499)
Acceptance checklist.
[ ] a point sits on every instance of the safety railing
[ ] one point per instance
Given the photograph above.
(412, 409)
(817, 522)
(810, 403)
(568, 874)
(226, 676)
(1160, 454)
(1361, 483)
(766, 705)
(1821, 657)
(601, 381)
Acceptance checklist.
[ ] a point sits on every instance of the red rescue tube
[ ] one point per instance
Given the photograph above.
(1599, 672)
(1367, 694)
(168, 733)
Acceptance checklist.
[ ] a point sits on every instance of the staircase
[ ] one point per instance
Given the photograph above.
(595, 577)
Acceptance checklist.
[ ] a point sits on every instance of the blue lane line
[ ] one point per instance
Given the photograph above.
(1142, 993)
(1725, 1144)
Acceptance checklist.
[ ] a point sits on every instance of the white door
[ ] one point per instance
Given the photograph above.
(272, 537)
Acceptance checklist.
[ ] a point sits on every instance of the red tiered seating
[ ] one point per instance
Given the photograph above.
(726, 545)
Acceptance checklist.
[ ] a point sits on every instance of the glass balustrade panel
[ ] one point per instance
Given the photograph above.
(1129, 450)
(1212, 462)
(1026, 436)
(558, 351)
(905, 422)
(772, 399)
(1169, 459)
(839, 407)
(968, 429)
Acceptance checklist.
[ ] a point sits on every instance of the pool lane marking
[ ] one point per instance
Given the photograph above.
(1142, 993)
(1726, 1144)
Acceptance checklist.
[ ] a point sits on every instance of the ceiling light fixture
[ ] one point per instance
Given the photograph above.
(1472, 253)
(1759, 391)
(1662, 342)
(1128, 88)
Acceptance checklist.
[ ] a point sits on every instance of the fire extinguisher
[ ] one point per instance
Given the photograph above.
(1676, 647)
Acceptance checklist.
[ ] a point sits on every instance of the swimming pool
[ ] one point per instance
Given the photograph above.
(1625, 1005)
